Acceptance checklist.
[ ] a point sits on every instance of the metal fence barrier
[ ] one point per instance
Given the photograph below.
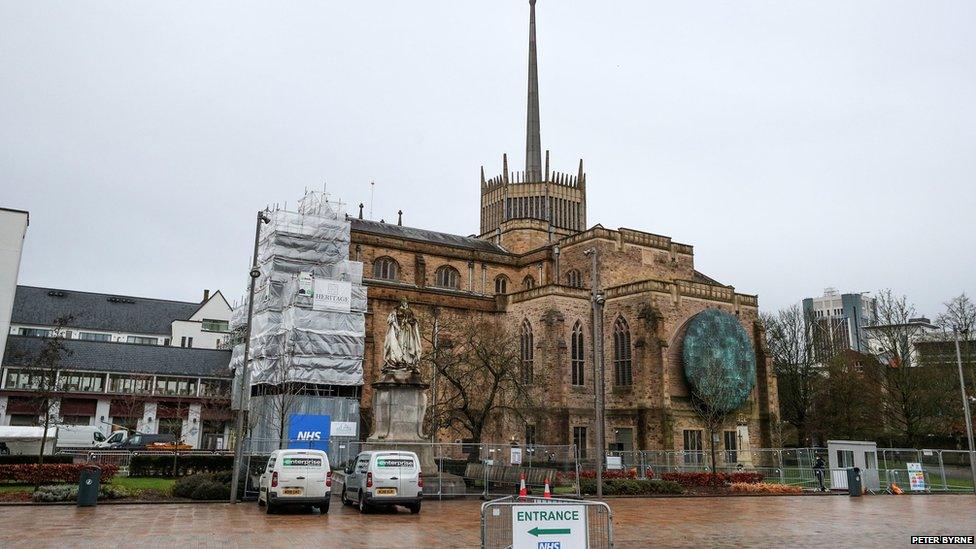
(496, 521)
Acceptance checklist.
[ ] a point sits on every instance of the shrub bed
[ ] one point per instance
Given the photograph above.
(20, 460)
(206, 486)
(49, 473)
(630, 487)
(591, 474)
(699, 479)
(764, 488)
(162, 465)
(67, 492)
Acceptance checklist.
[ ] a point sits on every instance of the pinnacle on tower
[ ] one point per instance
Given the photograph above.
(533, 147)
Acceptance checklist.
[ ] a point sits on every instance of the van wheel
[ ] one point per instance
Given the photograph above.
(260, 503)
(345, 499)
(324, 508)
(270, 509)
(414, 508)
(363, 506)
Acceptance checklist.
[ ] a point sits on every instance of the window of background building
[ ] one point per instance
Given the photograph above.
(82, 382)
(731, 447)
(577, 355)
(447, 277)
(212, 435)
(574, 278)
(845, 459)
(19, 379)
(130, 384)
(693, 446)
(92, 336)
(501, 284)
(528, 282)
(142, 340)
(579, 439)
(76, 420)
(171, 425)
(526, 351)
(622, 365)
(214, 387)
(385, 268)
(176, 386)
(211, 325)
(23, 420)
(35, 332)
(530, 435)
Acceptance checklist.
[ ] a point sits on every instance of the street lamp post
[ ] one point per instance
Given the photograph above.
(597, 300)
(245, 375)
(965, 408)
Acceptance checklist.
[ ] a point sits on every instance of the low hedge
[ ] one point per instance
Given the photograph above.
(698, 479)
(591, 474)
(21, 459)
(68, 492)
(50, 473)
(763, 488)
(205, 486)
(162, 465)
(630, 487)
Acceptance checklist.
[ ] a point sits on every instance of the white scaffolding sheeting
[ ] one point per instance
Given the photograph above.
(309, 303)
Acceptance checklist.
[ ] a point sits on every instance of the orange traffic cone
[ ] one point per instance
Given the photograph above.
(522, 491)
(547, 494)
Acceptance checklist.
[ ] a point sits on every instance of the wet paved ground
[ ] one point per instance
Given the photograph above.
(837, 521)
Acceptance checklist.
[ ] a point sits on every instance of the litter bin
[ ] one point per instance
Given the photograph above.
(854, 481)
(88, 486)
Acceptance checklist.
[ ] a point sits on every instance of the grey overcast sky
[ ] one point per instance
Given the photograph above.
(796, 144)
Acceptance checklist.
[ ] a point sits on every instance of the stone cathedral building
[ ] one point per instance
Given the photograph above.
(527, 266)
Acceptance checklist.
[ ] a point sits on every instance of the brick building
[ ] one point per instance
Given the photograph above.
(527, 266)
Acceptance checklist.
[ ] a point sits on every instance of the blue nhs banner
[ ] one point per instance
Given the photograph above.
(307, 431)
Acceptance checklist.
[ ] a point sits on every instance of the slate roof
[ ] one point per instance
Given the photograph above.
(104, 356)
(434, 237)
(108, 312)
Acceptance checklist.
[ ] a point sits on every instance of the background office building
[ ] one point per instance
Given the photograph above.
(837, 322)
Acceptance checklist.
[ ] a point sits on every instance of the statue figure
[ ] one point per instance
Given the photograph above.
(401, 349)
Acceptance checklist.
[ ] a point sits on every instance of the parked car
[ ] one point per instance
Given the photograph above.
(143, 441)
(296, 477)
(116, 437)
(79, 436)
(384, 478)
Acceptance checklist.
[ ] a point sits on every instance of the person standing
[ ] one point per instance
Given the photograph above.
(818, 470)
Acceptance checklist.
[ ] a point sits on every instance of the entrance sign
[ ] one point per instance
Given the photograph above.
(516, 456)
(344, 428)
(549, 526)
(308, 431)
(332, 295)
(916, 478)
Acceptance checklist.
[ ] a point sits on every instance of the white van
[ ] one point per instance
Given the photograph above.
(296, 477)
(79, 436)
(116, 438)
(384, 478)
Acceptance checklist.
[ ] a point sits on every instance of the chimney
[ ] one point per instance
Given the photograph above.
(206, 295)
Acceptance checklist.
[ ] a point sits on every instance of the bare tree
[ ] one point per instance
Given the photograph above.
(798, 373)
(911, 396)
(710, 397)
(959, 318)
(481, 379)
(846, 404)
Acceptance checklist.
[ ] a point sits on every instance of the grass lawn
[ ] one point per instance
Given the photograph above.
(144, 483)
(16, 488)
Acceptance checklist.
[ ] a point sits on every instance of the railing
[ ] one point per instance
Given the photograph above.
(943, 470)
(122, 458)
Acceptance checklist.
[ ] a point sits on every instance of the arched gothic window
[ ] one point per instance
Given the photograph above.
(576, 354)
(501, 284)
(574, 278)
(622, 366)
(386, 268)
(526, 350)
(447, 277)
(528, 282)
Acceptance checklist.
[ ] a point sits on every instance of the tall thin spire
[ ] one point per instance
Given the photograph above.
(533, 148)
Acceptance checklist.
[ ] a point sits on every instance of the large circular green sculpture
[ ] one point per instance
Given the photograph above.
(720, 363)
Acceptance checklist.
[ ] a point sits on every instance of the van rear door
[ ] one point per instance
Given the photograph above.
(295, 467)
(408, 475)
(386, 475)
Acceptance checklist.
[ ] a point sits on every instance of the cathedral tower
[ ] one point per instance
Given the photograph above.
(522, 210)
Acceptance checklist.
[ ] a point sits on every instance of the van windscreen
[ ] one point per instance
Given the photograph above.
(301, 462)
(394, 462)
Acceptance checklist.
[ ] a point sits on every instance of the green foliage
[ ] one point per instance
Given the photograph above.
(163, 465)
(630, 487)
(206, 486)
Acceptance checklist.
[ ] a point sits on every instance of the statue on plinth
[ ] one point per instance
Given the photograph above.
(401, 349)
